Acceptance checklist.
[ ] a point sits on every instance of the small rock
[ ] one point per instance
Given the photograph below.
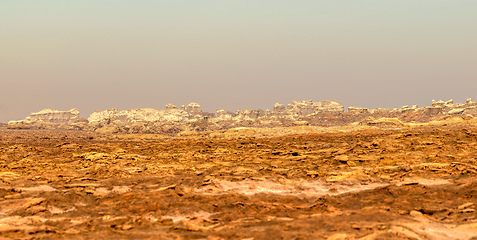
(41, 188)
(72, 231)
(340, 236)
(164, 188)
(351, 163)
(55, 210)
(416, 214)
(196, 224)
(342, 158)
(127, 227)
(35, 210)
(465, 205)
(121, 189)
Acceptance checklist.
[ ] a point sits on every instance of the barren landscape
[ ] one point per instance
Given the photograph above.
(305, 182)
(248, 120)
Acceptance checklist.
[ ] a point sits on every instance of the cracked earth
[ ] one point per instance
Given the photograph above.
(410, 183)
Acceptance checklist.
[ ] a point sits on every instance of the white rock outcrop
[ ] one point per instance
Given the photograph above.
(48, 119)
(143, 114)
(55, 116)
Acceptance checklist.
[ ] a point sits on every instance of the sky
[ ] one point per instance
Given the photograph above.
(233, 54)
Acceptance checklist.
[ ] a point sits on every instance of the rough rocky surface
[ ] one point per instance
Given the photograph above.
(376, 179)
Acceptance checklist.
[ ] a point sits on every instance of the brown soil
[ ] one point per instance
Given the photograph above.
(414, 183)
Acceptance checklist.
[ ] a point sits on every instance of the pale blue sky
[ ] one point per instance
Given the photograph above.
(233, 54)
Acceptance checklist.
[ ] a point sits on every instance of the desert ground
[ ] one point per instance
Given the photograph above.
(279, 183)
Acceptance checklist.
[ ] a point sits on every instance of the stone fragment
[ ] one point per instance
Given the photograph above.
(465, 205)
(126, 227)
(121, 189)
(342, 158)
(340, 236)
(41, 188)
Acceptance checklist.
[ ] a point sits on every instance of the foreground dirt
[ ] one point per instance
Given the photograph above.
(415, 183)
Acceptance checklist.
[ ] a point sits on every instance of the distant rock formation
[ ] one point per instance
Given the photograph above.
(50, 119)
(190, 117)
(55, 116)
(145, 120)
(223, 115)
(309, 107)
(305, 108)
(248, 114)
(279, 108)
(194, 108)
(171, 106)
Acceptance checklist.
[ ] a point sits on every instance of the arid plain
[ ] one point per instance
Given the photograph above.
(414, 182)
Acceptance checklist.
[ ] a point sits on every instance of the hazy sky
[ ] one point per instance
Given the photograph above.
(233, 54)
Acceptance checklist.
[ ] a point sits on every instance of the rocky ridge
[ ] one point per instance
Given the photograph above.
(51, 119)
(173, 120)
